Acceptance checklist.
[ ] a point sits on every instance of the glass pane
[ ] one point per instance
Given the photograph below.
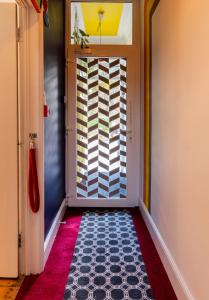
(105, 23)
(101, 128)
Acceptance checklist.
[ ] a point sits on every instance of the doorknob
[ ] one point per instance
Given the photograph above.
(127, 132)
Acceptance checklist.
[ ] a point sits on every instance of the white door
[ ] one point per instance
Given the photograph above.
(102, 169)
(8, 136)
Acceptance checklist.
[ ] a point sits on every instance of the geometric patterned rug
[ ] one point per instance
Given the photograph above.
(107, 262)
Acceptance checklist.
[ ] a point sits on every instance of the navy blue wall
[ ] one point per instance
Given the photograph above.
(54, 125)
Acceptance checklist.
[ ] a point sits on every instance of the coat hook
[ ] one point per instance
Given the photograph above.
(33, 135)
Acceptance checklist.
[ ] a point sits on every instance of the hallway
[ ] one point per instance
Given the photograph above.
(104, 165)
(101, 254)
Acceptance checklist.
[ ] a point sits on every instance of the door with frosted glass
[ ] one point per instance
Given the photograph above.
(101, 128)
(103, 133)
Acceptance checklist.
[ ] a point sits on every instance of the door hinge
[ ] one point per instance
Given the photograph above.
(19, 240)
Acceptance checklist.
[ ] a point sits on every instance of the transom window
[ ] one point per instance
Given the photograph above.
(105, 23)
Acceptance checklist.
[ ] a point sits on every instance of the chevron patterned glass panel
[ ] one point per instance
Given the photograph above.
(101, 128)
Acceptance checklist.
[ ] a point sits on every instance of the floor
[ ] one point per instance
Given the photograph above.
(107, 261)
(51, 283)
(9, 288)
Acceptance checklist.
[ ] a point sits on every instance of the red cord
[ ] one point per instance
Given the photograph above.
(36, 6)
(45, 6)
(33, 188)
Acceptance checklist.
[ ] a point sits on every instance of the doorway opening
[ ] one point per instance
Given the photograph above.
(102, 112)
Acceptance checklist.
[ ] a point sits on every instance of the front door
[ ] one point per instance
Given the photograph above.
(102, 155)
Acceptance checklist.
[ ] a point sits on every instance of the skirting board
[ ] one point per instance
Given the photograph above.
(179, 284)
(53, 230)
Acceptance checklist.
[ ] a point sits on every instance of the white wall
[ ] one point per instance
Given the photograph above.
(180, 137)
(8, 138)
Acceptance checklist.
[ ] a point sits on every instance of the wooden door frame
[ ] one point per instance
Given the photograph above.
(31, 87)
(103, 51)
(149, 9)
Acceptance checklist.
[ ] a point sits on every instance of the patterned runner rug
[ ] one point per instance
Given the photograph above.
(107, 262)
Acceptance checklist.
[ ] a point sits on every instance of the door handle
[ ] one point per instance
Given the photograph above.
(127, 132)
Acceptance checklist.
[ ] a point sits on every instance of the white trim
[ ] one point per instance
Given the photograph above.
(101, 202)
(23, 124)
(33, 224)
(49, 241)
(178, 282)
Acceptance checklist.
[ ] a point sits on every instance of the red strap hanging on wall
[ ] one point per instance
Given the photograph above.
(37, 5)
(45, 6)
(33, 189)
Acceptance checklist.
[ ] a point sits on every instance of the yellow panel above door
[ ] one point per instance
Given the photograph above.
(110, 22)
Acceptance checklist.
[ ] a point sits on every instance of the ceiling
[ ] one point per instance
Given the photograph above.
(110, 22)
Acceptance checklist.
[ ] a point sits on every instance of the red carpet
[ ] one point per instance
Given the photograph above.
(51, 283)
(159, 280)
